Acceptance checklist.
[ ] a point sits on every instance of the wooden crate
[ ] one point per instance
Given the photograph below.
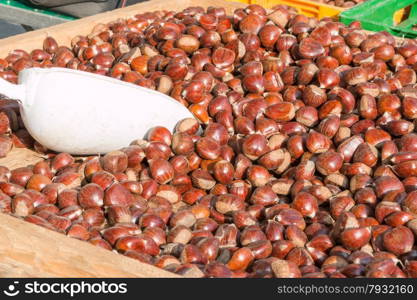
(27, 250)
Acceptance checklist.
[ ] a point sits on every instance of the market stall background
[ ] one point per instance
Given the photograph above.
(9, 29)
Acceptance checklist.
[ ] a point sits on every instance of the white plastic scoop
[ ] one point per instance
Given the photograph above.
(82, 113)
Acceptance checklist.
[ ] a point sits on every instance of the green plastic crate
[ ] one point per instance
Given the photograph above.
(21, 5)
(379, 15)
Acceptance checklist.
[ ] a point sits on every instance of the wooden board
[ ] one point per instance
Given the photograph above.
(27, 250)
(20, 157)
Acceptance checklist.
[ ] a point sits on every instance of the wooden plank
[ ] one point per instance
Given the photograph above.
(63, 33)
(20, 157)
(27, 250)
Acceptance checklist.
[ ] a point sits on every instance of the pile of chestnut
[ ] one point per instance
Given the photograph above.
(341, 3)
(301, 160)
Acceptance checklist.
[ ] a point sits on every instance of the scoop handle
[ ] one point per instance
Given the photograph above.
(13, 91)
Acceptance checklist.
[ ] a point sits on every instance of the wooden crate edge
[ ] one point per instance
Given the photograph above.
(27, 250)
